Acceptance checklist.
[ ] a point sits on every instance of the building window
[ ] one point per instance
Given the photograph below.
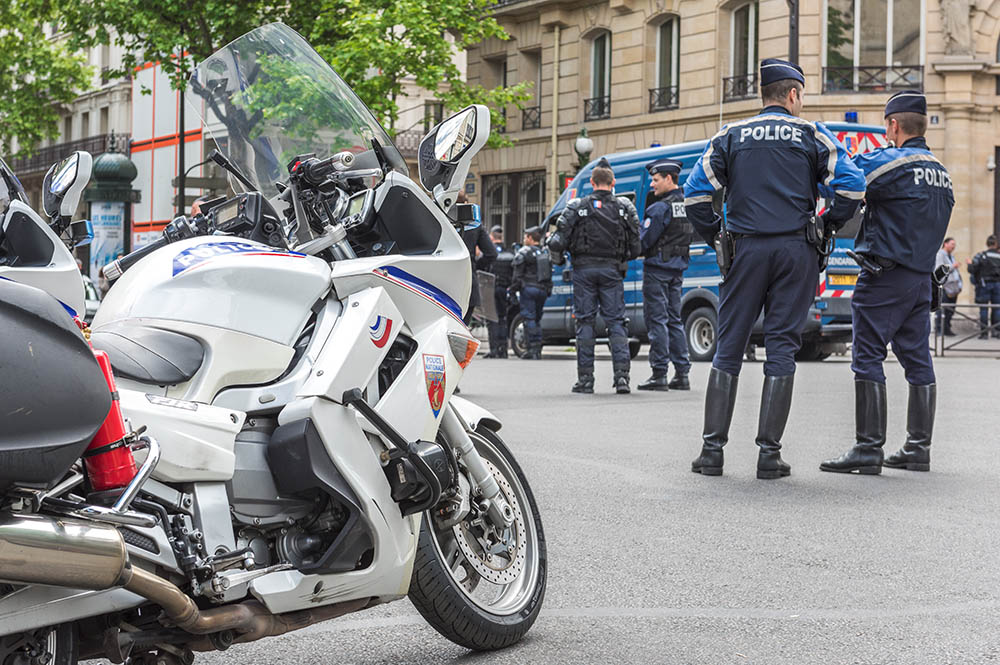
(514, 202)
(599, 104)
(873, 45)
(742, 81)
(433, 114)
(998, 60)
(665, 94)
(531, 116)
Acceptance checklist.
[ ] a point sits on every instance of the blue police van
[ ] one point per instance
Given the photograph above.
(828, 326)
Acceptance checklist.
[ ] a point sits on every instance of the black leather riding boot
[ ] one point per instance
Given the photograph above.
(870, 416)
(915, 455)
(720, 399)
(775, 403)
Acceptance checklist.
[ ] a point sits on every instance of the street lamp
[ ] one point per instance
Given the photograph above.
(583, 145)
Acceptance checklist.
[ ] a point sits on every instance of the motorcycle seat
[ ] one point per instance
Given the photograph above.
(149, 355)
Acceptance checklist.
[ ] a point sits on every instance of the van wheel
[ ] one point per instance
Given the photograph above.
(701, 328)
(811, 352)
(516, 335)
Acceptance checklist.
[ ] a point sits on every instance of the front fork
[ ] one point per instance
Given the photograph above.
(486, 491)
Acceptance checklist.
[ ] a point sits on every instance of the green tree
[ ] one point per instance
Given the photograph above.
(33, 68)
(375, 45)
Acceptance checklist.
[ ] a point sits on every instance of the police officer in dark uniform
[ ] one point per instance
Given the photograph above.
(503, 270)
(476, 238)
(984, 269)
(665, 236)
(533, 283)
(770, 168)
(907, 209)
(601, 233)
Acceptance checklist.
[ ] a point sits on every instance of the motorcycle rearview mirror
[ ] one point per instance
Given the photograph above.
(446, 153)
(64, 184)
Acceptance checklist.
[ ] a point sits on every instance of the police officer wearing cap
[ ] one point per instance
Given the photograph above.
(907, 209)
(770, 168)
(503, 271)
(665, 236)
(601, 233)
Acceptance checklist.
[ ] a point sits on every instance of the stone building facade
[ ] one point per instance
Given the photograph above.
(636, 73)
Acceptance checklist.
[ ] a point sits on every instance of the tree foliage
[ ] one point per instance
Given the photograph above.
(36, 76)
(375, 45)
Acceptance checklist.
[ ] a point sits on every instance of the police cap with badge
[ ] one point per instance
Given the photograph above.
(665, 167)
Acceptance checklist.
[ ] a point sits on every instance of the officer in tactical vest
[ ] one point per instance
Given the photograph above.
(984, 270)
(666, 239)
(601, 233)
(770, 168)
(533, 282)
(907, 208)
(503, 270)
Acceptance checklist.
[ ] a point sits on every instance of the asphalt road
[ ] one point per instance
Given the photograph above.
(650, 563)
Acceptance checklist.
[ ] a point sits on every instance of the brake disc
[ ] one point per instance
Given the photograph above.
(502, 560)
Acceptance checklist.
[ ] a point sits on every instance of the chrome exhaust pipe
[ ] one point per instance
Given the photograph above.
(35, 549)
(61, 552)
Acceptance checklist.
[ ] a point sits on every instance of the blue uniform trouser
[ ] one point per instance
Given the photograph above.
(599, 287)
(498, 329)
(778, 274)
(532, 303)
(661, 309)
(892, 308)
(988, 293)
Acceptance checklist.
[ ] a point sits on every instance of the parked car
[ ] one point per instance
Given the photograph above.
(93, 298)
(828, 327)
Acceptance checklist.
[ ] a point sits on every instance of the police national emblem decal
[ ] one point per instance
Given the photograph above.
(379, 330)
(434, 378)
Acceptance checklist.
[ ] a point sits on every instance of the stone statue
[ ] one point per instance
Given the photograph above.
(955, 16)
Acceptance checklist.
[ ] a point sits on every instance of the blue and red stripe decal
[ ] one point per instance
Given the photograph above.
(426, 289)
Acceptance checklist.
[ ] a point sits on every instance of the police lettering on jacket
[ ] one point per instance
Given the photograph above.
(907, 206)
(771, 167)
(665, 233)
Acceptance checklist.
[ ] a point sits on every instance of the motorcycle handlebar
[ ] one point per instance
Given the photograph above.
(114, 270)
(180, 228)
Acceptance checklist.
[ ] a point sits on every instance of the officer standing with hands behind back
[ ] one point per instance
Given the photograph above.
(907, 209)
(770, 167)
(666, 240)
(533, 283)
(601, 232)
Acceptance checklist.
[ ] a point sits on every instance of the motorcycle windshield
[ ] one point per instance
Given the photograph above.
(268, 97)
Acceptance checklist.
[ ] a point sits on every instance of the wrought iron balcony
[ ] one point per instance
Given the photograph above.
(531, 117)
(597, 108)
(743, 86)
(661, 99)
(872, 79)
(408, 142)
(43, 158)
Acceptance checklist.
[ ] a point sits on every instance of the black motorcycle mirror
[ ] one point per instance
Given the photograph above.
(446, 153)
(61, 191)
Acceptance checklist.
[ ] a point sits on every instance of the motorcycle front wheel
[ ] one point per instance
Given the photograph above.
(479, 588)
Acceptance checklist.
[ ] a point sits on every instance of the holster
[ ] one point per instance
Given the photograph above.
(724, 251)
(938, 277)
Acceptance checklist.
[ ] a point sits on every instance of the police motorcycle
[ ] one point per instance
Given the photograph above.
(283, 370)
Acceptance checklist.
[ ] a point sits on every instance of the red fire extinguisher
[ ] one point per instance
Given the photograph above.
(109, 461)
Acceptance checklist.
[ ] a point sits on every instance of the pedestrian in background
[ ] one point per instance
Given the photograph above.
(482, 254)
(770, 168)
(533, 283)
(984, 271)
(892, 300)
(503, 271)
(601, 233)
(665, 236)
(950, 289)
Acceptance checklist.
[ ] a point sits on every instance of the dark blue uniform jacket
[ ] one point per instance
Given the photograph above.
(772, 166)
(908, 205)
(658, 218)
